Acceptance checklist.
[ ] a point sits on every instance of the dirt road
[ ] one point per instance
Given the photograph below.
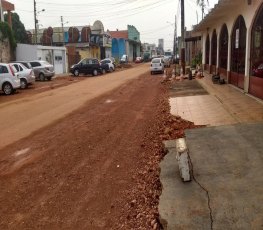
(94, 168)
(21, 117)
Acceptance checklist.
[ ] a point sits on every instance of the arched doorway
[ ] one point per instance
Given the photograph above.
(207, 52)
(223, 51)
(213, 52)
(256, 65)
(238, 53)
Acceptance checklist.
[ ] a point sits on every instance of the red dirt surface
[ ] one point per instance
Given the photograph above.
(97, 168)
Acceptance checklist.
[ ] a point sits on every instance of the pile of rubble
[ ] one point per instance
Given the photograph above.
(142, 208)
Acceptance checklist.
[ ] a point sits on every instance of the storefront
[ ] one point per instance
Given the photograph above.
(237, 54)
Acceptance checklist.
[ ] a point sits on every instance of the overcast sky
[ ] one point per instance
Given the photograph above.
(153, 18)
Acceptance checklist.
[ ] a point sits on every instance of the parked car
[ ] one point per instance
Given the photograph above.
(9, 80)
(258, 71)
(42, 70)
(104, 67)
(157, 65)
(113, 61)
(25, 75)
(87, 66)
(138, 60)
(124, 59)
(25, 63)
(108, 62)
(167, 61)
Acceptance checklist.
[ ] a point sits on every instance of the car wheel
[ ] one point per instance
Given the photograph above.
(95, 72)
(103, 71)
(49, 78)
(23, 84)
(76, 72)
(8, 88)
(41, 77)
(111, 69)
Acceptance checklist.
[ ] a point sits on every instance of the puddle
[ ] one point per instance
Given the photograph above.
(21, 152)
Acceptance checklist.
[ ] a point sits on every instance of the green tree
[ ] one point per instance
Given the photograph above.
(18, 28)
(202, 4)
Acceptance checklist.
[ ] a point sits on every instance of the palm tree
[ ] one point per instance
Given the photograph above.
(202, 4)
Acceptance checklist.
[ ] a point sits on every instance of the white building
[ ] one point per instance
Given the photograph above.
(52, 54)
(232, 43)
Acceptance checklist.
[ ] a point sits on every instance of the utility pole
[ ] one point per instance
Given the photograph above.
(182, 38)
(35, 20)
(175, 35)
(62, 26)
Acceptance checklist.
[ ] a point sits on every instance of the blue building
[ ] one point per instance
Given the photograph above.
(126, 42)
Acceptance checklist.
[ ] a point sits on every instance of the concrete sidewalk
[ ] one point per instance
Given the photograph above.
(224, 105)
(227, 159)
(228, 191)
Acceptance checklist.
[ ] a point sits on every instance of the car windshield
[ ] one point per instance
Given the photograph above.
(156, 60)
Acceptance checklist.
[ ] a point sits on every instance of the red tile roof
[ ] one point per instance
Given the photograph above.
(119, 34)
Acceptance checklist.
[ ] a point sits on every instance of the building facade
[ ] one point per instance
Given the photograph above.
(232, 41)
(54, 55)
(82, 41)
(126, 42)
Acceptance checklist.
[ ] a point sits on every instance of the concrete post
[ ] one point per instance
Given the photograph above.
(247, 60)
(229, 57)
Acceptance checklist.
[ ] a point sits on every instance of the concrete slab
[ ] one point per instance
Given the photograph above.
(227, 163)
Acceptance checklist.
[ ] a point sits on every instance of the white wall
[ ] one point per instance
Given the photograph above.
(26, 52)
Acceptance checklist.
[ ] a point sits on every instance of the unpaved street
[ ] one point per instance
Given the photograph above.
(94, 168)
(23, 116)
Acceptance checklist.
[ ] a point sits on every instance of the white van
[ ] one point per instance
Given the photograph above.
(157, 65)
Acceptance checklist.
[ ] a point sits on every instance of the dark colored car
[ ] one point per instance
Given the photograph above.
(88, 66)
(258, 71)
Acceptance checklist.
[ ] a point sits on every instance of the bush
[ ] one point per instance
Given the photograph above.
(197, 60)
(7, 33)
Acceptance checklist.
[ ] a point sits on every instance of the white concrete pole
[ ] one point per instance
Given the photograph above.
(247, 59)
(210, 51)
(229, 56)
(217, 52)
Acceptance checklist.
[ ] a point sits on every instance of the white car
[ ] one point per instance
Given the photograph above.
(124, 59)
(110, 64)
(157, 65)
(167, 61)
(25, 75)
(42, 70)
(9, 80)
